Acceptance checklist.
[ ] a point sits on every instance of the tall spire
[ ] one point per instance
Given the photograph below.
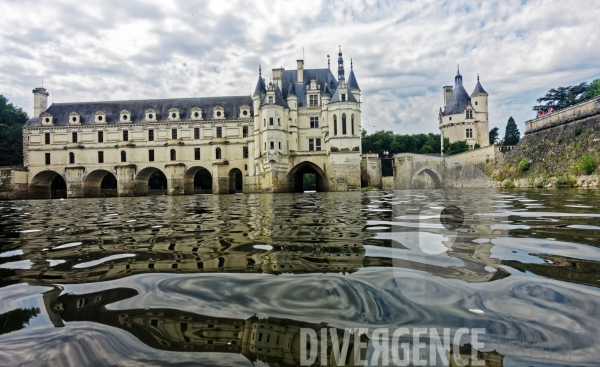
(259, 71)
(458, 77)
(351, 66)
(328, 62)
(340, 65)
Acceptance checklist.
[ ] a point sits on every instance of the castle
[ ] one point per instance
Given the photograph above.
(465, 117)
(303, 121)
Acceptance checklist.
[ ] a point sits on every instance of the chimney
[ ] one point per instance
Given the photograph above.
(300, 71)
(447, 94)
(277, 77)
(40, 101)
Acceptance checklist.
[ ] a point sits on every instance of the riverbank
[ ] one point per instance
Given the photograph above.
(562, 156)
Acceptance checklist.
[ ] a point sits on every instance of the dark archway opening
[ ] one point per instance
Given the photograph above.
(203, 182)
(157, 183)
(309, 182)
(302, 178)
(108, 186)
(197, 180)
(100, 183)
(58, 188)
(236, 181)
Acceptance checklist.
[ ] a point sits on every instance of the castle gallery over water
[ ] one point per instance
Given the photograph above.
(303, 121)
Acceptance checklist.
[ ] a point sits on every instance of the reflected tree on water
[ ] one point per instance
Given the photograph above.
(17, 319)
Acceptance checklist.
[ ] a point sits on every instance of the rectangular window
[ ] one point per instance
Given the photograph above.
(313, 100)
(278, 121)
(47, 138)
(343, 97)
(150, 134)
(197, 154)
(71, 157)
(74, 137)
(47, 158)
(100, 136)
(270, 100)
(244, 131)
(272, 145)
(264, 122)
(270, 121)
(100, 157)
(314, 122)
(318, 144)
(245, 152)
(151, 155)
(219, 132)
(279, 145)
(173, 133)
(196, 133)
(469, 114)
(469, 133)
(125, 135)
(311, 144)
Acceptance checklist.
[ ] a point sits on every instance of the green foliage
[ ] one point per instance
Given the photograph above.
(494, 134)
(382, 141)
(577, 130)
(565, 181)
(476, 146)
(456, 147)
(17, 319)
(524, 165)
(508, 183)
(309, 181)
(593, 90)
(562, 97)
(12, 120)
(588, 163)
(512, 134)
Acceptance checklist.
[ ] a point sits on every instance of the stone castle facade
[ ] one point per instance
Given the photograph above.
(465, 117)
(303, 121)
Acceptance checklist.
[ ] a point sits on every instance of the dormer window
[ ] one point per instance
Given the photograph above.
(125, 116)
(218, 113)
(343, 97)
(196, 114)
(74, 118)
(150, 115)
(469, 114)
(313, 83)
(270, 100)
(174, 114)
(313, 100)
(100, 117)
(47, 119)
(244, 112)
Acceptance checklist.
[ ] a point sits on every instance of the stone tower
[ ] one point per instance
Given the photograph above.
(40, 101)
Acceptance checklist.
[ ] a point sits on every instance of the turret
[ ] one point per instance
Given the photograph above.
(479, 98)
(40, 101)
(353, 84)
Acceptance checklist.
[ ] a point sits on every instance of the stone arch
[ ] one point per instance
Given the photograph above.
(236, 180)
(296, 175)
(47, 184)
(189, 180)
(141, 180)
(437, 181)
(92, 183)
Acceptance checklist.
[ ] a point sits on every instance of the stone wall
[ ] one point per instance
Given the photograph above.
(13, 183)
(574, 113)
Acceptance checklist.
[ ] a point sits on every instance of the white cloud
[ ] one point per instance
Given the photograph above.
(404, 51)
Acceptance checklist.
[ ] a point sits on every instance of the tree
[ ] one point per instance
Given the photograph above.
(562, 97)
(12, 120)
(494, 134)
(456, 147)
(382, 141)
(512, 134)
(593, 90)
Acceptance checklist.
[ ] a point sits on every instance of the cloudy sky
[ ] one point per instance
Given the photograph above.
(404, 52)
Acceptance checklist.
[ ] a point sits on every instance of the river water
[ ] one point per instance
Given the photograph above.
(233, 279)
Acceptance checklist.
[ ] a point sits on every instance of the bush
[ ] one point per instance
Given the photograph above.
(565, 181)
(477, 146)
(508, 183)
(577, 130)
(588, 164)
(524, 165)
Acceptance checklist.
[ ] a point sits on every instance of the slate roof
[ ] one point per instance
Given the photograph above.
(459, 100)
(87, 110)
(279, 99)
(478, 89)
(352, 83)
(322, 76)
(336, 96)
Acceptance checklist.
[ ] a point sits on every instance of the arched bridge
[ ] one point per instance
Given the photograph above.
(412, 171)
